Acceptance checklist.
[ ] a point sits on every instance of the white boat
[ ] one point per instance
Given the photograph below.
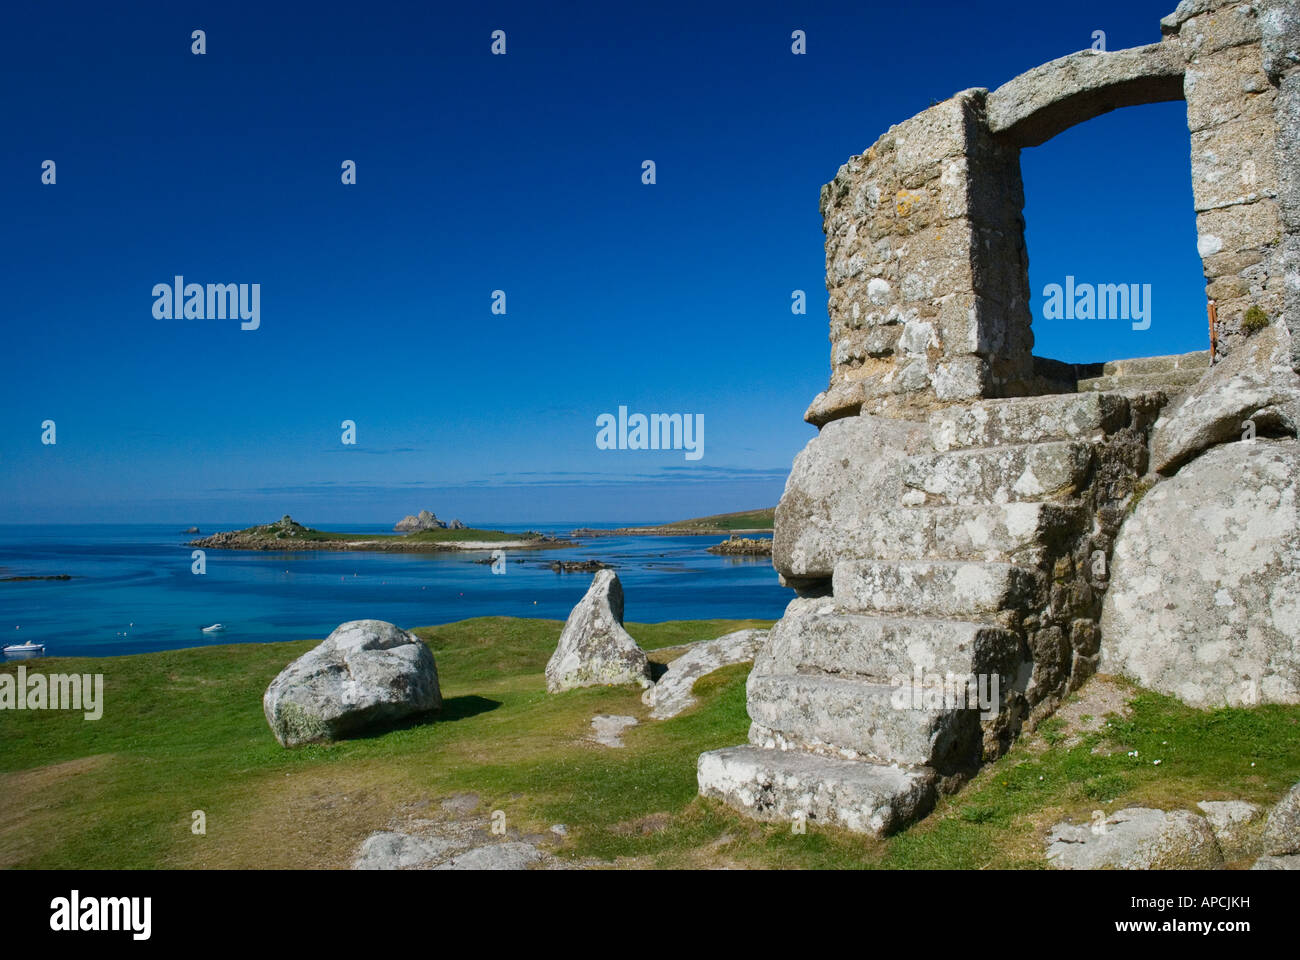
(25, 648)
(215, 628)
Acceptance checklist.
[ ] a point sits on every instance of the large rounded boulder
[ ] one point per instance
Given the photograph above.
(1204, 596)
(366, 675)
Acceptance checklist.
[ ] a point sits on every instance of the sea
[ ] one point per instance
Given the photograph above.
(132, 589)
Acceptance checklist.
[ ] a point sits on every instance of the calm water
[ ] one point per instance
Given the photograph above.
(132, 590)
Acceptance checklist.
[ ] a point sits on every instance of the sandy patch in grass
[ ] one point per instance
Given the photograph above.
(312, 818)
(1084, 712)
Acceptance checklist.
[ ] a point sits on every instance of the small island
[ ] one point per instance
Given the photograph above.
(744, 547)
(579, 566)
(288, 534)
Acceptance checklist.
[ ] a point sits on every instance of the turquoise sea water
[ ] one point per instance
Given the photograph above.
(132, 590)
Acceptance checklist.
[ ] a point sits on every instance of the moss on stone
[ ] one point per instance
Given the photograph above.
(296, 725)
(1254, 320)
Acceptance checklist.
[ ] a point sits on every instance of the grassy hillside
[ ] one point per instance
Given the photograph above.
(183, 731)
(745, 520)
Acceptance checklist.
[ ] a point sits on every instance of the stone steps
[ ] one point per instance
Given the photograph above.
(784, 786)
(1170, 383)
(1005, 474)
(999, 532)
(1197, 362)
(944, 589)
(992, 423)
(931, 589)
(859, 720)
(817, 635)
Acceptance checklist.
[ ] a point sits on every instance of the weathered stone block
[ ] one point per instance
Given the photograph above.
(775, 785)
(1229, 25)
(854, 719)
(1227, 86)
(1255, 383)
(1028, 420)
(1234, 163)
(1040, 103)
(1241, 227)
(934, 588)
(1015, 472)
(1204, 597)
(1136, 838)
(814, 634)
(835, 487)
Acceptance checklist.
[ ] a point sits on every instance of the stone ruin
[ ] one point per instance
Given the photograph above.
(959, 512)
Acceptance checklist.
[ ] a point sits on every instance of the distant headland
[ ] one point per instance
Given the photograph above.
(745, 521)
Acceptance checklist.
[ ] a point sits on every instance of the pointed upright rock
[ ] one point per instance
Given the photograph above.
(594, 648)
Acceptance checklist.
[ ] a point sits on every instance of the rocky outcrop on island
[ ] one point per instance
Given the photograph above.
(578, 566)
(366, 675)
(594, 648)
(456, 525)
(744, 547)
(424, 520)
(269, 536)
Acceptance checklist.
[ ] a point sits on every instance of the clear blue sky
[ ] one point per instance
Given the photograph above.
(476, 173)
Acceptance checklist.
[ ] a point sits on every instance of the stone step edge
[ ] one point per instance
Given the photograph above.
(1012, 581)
(791, 785)
(1109, 421)
(957, 452)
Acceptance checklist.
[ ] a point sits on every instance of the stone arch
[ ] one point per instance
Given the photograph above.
(926, 264)
(1025, 112)
(1040, 103)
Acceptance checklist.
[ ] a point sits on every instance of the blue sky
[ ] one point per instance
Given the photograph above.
(477, 173)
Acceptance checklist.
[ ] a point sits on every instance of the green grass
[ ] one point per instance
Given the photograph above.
(183, 731)
(746, 520)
